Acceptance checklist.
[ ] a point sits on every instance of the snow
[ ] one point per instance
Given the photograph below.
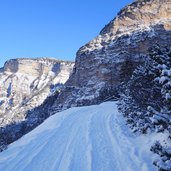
(81, 139)
(168, 96)
(163, 79)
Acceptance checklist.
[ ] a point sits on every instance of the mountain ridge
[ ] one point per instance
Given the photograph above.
(121, 44)
(25, 84)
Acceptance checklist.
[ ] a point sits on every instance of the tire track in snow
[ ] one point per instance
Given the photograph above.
(128, 145)
(58, 146)
(103, 158)
(81, 157)
(120, 145)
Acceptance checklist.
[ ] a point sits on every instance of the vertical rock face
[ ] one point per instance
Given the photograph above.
(26, 83)
(110, 58)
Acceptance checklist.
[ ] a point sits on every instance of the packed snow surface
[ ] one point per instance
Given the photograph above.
(94, 138)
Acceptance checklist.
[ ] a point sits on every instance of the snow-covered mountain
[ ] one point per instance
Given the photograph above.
(26, 83)
(90, 138)
(111, 57)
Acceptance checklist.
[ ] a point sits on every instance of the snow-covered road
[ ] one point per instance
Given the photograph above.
(93, 138)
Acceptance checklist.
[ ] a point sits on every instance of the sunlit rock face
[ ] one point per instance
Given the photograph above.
(111, 57)
(26, 83)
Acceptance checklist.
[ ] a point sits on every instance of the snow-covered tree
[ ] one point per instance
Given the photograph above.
(146, 101)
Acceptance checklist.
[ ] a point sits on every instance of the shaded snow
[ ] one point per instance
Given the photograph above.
(81, 139)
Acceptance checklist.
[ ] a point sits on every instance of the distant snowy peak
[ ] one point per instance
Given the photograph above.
(25, 83)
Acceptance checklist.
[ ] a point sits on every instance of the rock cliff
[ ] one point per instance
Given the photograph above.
(109, 59)
(26, 83)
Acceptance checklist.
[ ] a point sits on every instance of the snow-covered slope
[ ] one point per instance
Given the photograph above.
(25, 83)
(81, 139)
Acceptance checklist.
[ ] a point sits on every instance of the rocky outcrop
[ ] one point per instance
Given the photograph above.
(110, 58)
(26, 83)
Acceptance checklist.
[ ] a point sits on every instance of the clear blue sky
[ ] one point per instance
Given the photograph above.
(52, 28)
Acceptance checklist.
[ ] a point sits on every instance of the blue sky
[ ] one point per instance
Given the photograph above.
(52, 28)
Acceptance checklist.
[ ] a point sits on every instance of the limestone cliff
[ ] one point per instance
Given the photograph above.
(110, 58)
(26, 83)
